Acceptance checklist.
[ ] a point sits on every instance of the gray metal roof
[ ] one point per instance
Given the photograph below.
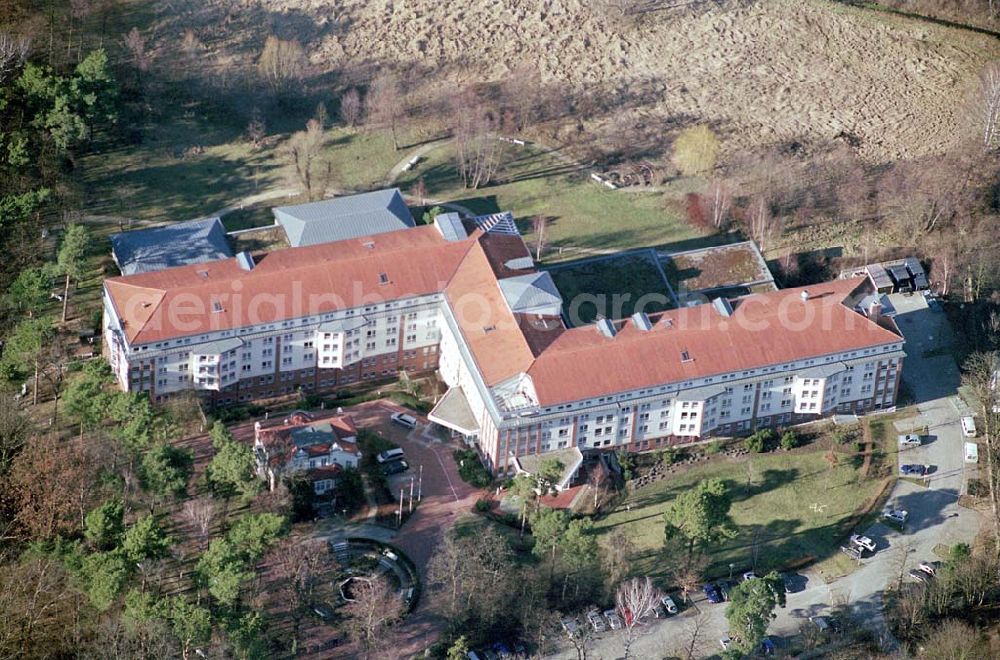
(342, 218)
(913, 265)
(533, 293)
(879, 276)
(179, 244)
(217, 347)
(344, 325)
(450, 226)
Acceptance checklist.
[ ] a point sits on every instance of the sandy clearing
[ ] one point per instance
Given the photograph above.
(774, 71)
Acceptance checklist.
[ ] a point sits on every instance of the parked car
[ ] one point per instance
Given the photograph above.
(863, 542)
(613, 619)
(409, 421)
(909, 440)
(767, 646)
(570, 625)
(793, 582)
(823, 623)
(726, 642)
(897, 516)
(390, 455)
(395, 467)
(914, 470)
(596, 621)
(749, 575)
(712, 593)
(919, 575)
(929, 567)
(322, 611)
(660, 612)
(669, 605)
(502, 650)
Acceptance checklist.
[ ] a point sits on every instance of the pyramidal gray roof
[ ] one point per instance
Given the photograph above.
(179, 244)
(341, 218)
(533, 293)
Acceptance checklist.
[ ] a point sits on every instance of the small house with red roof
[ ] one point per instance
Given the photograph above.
(319, 447)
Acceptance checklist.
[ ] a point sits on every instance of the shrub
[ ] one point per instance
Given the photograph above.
(761, 441)
(471, 469)
(713, 448)
(696, 150)
(844, 434)
(483, 505)
(668, 456)
(790, 439)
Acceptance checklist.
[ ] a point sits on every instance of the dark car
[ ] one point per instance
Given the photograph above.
(912, 469)
(712, 593)
(767, 646)
(395, 467)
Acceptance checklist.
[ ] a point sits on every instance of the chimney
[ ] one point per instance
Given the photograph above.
(805, 295)
(874, 310)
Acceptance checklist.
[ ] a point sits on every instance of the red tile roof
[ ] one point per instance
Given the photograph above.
(490, 329)
(289, 283)
(765, 329)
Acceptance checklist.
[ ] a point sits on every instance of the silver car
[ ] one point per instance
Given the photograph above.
(596, 621)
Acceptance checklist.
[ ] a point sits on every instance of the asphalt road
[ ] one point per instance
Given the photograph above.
(934, 515)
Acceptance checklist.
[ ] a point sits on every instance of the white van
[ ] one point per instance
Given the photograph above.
(389, 455)
(971, 452)
(969, 426)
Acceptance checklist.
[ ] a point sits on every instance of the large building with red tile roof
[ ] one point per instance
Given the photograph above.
(464, 298)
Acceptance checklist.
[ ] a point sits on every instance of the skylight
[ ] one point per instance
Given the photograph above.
(383, 278)
(216, 306)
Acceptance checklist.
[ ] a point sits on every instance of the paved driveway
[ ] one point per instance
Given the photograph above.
(932, 377)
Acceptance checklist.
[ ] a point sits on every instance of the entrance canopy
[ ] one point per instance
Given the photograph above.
(454, 412)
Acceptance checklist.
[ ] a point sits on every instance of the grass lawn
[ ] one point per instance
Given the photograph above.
(798, 507)
(580, 212)
(185, 168)
(617, 282)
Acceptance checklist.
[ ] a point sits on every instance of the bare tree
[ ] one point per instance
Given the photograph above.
(522, 92)
(420, 191)
(282, 63)
(350, 107)
(303, 151)
(299, 566)
(989, 104)
(616, 557)
(135, 43)
(719, 201)
(582, 640)
(201, 514)
(78, 10)
(386, 104)
(376, 606)
(538, 224)
(479, 150)
(634, 600)
(695, 634)
(13, 54)
(762, 224)
(256, 129)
